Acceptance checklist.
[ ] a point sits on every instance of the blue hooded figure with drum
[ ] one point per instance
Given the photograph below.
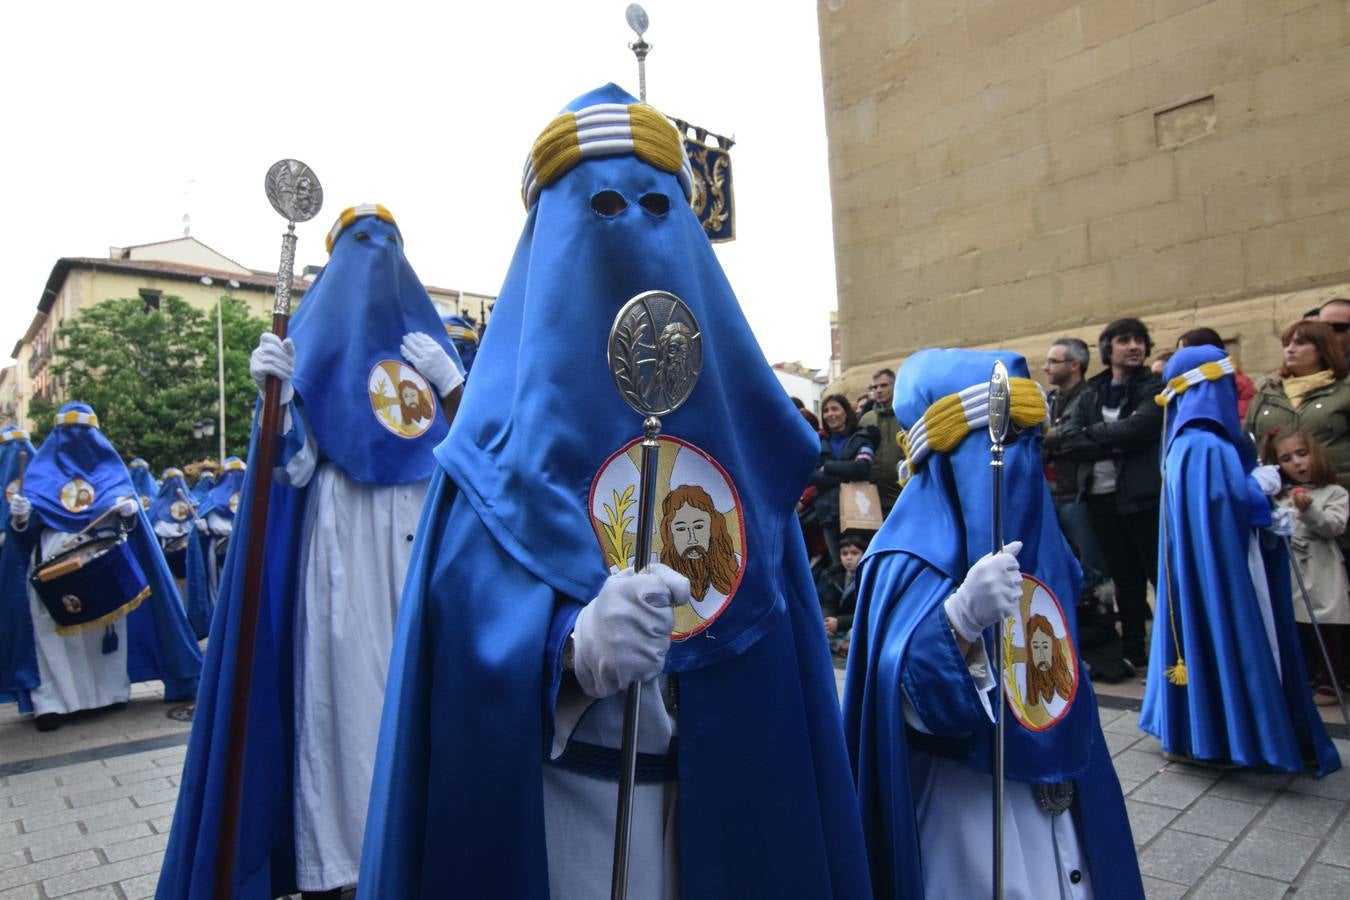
(173, 515)
(100, 609)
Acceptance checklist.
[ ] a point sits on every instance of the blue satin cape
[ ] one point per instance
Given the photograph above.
(1235, 707)
(16, 644)
(941, 524)
(265, 863)
(505, 559)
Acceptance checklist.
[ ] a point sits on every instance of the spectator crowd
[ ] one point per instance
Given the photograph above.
(1103, 450)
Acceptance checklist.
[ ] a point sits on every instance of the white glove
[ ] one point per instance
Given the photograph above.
(20, 507)
(1268, 479)
(430, 358)
(127, 506)
(988, 595)
(1281, 521)
(275, 357)
(200, 525)
(622, 636)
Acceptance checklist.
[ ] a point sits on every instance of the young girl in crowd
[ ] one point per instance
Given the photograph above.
(1321, 507)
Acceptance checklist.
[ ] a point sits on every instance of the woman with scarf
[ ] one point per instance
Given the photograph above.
(1309, 394)
(845, 455)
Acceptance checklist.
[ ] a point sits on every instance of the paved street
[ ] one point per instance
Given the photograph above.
(85, 812)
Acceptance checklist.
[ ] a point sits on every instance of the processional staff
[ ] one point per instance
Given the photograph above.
(655, 354)
(1000, 407)
(294, 192)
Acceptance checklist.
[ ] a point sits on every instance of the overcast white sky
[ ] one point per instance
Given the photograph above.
(118, 118)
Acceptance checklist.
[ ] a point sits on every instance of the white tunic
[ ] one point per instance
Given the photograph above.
(579, 810)
(355, 548)
(75, 672)
(953, 805)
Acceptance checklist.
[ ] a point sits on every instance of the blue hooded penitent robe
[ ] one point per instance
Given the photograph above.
(160, 644)
(173, 506)
(205, 482)
(354, 316)
(507, 554)
(1238, 705)
(903, 647)
(15, 645)
(146, 486)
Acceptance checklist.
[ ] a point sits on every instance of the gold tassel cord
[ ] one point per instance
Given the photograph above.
(1175, 674)
(104, 621)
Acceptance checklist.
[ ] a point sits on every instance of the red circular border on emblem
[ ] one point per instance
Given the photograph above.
(1077, 672)
(736, 500)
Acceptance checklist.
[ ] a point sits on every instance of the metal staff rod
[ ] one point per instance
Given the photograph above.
(637, 20)
(1317, 629)
(1000, 404)
(294, 192)
(655, 353)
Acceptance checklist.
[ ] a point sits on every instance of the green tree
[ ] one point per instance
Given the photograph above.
(150, 374)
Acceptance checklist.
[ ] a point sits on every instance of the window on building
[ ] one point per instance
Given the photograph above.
(150, 297)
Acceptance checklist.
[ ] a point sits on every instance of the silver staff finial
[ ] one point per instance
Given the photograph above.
(637, 20)
(294, 191)
(1000, 401)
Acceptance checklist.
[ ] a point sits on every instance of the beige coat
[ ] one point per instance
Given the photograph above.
(1318, 556)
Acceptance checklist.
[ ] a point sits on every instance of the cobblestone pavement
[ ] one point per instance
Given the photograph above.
(85, 812)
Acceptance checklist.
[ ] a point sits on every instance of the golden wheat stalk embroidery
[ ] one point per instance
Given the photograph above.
(616, 525)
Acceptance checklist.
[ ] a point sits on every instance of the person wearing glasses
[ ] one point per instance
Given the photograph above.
(1065, 369)
(1336, 313)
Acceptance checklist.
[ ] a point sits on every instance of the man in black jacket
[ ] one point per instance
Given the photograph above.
(1116, 428)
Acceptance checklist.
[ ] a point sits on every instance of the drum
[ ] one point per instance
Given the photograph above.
(175, 554)
(91, 585)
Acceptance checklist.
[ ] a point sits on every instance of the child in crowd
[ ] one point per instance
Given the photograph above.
(1321, 507)
(838, 591)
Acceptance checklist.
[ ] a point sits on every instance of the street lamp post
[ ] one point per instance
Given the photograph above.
(205, 428)
(231, 285)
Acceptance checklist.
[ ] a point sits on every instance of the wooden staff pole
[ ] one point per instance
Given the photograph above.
(265, 454)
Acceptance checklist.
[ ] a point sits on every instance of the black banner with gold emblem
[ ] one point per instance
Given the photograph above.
(710, 159)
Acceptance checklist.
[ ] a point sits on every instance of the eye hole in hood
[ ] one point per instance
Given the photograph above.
(655, 203)
(608, 203)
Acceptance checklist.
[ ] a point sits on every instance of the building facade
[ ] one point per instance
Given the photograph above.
(1005, 172)
(184, 267)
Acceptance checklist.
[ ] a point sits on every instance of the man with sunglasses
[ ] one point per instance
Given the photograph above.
(1336, 313)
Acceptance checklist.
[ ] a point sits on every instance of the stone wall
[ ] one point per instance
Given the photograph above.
(1007, 171)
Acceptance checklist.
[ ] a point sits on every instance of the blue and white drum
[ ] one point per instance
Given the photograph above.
(91, 585)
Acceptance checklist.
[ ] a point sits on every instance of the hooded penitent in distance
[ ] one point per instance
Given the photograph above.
(1226, 675)
(904, 665)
